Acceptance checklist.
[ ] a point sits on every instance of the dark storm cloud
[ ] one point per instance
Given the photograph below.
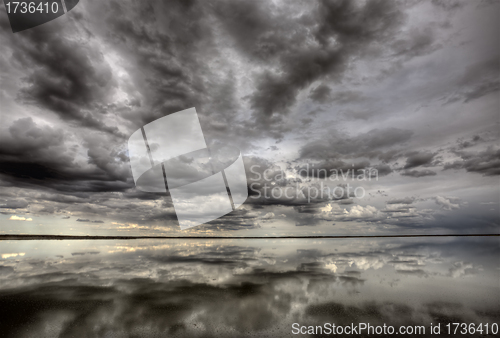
(486, 162)
(109, 68)
(418, 173)
(375, 143)
(172, 54)
(41, 156)
(417, 159)
(25, 139)
(382, 169)
(321, 93)
(63, 76)
(67, 73)
(30, 150)
(326, 35)
(173, 74)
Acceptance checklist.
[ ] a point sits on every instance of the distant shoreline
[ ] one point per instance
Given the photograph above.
(67, 237)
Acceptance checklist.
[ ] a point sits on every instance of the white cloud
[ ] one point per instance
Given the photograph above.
(358, 211)
(446, 203)
(461, 269)
(8, 255)
(17, 218)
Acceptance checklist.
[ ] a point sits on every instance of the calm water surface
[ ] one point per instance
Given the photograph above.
(237, 288)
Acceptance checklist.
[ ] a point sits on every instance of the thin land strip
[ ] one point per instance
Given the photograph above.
(66, 237)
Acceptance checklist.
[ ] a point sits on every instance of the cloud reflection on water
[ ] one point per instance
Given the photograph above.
(243, 287)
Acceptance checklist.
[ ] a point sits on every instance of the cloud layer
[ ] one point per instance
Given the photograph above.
(310, 89)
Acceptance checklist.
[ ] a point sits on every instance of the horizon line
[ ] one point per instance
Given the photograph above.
(91, 237)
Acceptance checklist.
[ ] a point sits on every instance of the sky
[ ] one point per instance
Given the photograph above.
(305, 89)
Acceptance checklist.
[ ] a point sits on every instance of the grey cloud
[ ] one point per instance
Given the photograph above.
(453, 165)
(337, 151)
(349, 96)
(326, 169)
(405, 200)
(346, 201)
(84, 253)
(263, 176)
(474, 140)
(460, 269)
(372, 144)
(36, 155)
(14, 204)
(26, 139)
(417, 272)
(321, 93)
(448, 5)
(399, 209)
(480, 90)
(238, 219)
(88, 220)
(447, 203)
(358, 114)
(477, 80)
(6, 270)
(68, 78)
(418, 42)
(351, 281)
(418, 173)
(309, 208)
(486, 162)
(382, 169)
(417, 159)
(301, 62)
(104, 71)
(171, 76)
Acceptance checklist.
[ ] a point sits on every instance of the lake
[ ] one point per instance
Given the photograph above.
(244, 287)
